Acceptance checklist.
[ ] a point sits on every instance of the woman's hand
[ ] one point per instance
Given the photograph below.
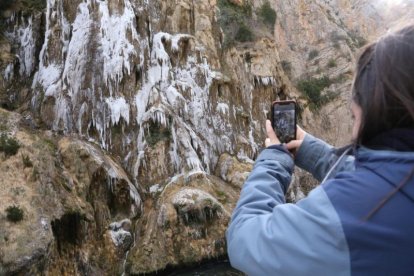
(294, 145)
(271, 135)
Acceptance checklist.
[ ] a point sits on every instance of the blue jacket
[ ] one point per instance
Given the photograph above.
(327, 232)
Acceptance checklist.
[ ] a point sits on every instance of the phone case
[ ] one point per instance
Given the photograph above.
(287, 127)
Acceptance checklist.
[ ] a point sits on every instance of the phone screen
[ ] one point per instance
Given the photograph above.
(284, 120)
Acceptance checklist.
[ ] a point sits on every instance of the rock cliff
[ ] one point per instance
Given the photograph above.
(138, 121)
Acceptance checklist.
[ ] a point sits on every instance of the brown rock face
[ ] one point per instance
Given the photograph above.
(70, 194)
(185, 222)
(237, 2)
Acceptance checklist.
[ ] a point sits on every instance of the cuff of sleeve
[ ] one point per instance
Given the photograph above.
(309, 152)
(278, 153)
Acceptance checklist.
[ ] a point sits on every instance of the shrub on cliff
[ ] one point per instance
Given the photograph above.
(231, 17)
(267, 14)
(14, 213)
(244, 34)
(27, 163)
(6, 4)
(332, 63)
(157, 133)
(287, 66)
(34, 5)
(313, 54)
(312, 90)
(8, 145)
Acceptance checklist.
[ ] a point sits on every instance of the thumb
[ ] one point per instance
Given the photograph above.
(271, 133)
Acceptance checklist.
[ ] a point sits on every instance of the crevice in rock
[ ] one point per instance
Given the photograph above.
(149, 35)
(68, 230)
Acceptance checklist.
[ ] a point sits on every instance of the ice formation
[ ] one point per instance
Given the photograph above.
(264, 81)
(23, 36)
(83, 64)
(8, 73)
(163, 82)
(64, 77)
(199, 132)
(223, 108)
(118, 109)
(117, 49)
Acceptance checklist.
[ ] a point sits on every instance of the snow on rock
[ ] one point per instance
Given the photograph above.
(124, 224)
(197, 205)
(176, 39)
(120, 235)
(155, 189)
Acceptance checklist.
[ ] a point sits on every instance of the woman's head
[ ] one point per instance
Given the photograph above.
(383, 90)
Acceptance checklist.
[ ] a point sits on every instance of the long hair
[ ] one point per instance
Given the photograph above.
(384, 90)
(384, 85)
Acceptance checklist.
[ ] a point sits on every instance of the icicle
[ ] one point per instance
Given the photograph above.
(133, 193)
(8, 73)
(119, 109)
(173, 153)
(222, 108)
(264, 81)
(82, 111)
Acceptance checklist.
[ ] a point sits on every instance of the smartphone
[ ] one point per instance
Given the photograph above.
(284, 120)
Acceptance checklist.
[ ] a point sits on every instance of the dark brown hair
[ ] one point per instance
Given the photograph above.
(384, 89)
(384, 85)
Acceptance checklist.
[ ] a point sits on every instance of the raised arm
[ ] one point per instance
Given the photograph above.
(316, 156)
(268, 237)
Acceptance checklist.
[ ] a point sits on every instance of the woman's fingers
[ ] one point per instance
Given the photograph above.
(272, 138)
(294, 145)
(267, 142)
(300, 133)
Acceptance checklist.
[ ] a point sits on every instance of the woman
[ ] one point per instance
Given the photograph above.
(360, 220)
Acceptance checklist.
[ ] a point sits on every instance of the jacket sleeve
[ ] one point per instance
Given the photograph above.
(318, 157)
(268, 237)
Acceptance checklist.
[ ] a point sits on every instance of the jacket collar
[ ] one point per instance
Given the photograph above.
(396, 139)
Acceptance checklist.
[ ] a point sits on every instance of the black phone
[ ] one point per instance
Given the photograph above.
(284, 120)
